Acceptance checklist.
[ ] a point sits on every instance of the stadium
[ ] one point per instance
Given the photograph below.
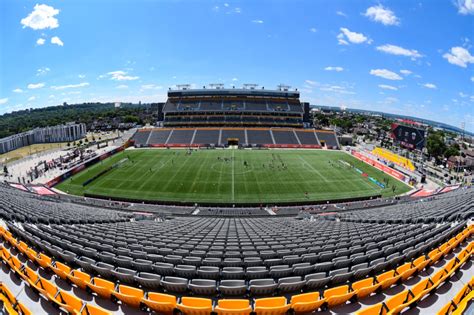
(143, 171)
(233, 203)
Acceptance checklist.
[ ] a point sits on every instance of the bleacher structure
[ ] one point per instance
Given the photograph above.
(62, 257)
(393, 158)
(244, 117)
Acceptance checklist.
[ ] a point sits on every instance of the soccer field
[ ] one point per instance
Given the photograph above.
(231, 176)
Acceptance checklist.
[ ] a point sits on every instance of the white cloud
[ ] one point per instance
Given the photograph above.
(340, 13)
(465, 6)
(41, 17)
(121, 76)
(257, 21)
(388, 87)
(17, 90)
(313, 30)
(399, 51)
(313, 83)
(429, 86)
(31, 98)
(40, 41)
(42, 71)
(3, 100)
(337, 69)
(463, 95)
(52, 96)
(382, 15)
(57, 41)
(235, 79)
(70, 86)
(405, 72)
(81, 76)
(386, 74)
(122, 86)
(472, 79)
(151, 87)
(459, 56)
(353, 37)
(33, 86)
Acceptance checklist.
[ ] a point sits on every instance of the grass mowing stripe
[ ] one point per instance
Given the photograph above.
(257, 176)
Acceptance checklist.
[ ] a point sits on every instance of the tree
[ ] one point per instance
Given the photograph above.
(452, 150)
(435, 145)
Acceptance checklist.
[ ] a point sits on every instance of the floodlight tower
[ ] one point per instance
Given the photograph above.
(217, 86)
(250, 86)
(283, 87)
(183, 86)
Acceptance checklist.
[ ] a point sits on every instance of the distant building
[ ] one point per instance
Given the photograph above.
(61, 133)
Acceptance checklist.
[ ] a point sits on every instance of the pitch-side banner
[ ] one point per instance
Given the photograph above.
(379, 166)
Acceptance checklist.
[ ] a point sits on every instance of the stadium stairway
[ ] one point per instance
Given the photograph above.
(443, 272)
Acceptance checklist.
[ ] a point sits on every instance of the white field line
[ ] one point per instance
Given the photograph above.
(233, 184)
(314, 170)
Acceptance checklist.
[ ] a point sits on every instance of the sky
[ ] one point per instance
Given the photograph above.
(403, 57)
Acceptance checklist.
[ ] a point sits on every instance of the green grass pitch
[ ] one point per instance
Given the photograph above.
(232, 176)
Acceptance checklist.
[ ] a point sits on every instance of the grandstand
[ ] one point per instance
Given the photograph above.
(244, 117)
(393, 158)
(59, 256)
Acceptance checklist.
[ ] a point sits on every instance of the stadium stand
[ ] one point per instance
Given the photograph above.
(328, 137)
(259, 136)
(457, 205)
(181, 136)
(91, 260)
(157, 137)
(245, 136)
(273, 118)
(394, 158)
(307, 137)
(285, 136)
(205, 136)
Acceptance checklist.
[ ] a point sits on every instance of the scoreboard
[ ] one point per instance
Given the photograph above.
(408, 136)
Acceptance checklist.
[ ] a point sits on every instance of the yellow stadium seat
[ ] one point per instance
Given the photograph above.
(306, 302)
(435, 255)
(461, 307)
(195, 306)
(398, 302)
(129, 295)
(44, 260)
(48, 289)
(233, 307)
(271, 306)
(387, 279)
(160, 303)
(9, 295)
(338, 295)
(6, 256)
(22, 309)
(61, 269)
(31, 254)
(79, 278)
(365, 287)
(69, 302)
(102, 287)
(438, 278)
(22, 247)
(32, 277)
(90, 309)
(451, 267)
(447, 309)
(420, 263)
(377, 309)
(422, 288)
(15, 264)
(406, 271)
